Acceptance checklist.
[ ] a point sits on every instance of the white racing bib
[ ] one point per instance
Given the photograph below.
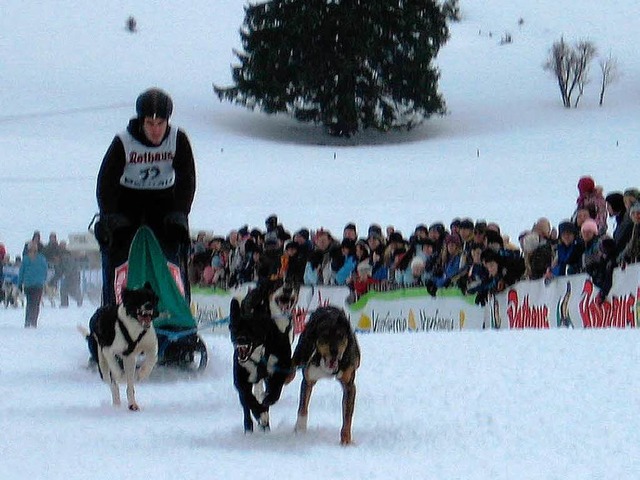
(148, 168)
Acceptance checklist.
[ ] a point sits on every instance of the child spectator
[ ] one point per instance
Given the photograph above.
(363, 279)
(379, 272)
(568, 251)
(348, 264)
(410, 270)
(213, 274)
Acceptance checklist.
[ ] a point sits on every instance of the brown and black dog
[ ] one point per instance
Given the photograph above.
(327, 348)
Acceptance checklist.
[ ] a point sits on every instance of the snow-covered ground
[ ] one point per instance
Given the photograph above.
(500, 405)
(549, 404)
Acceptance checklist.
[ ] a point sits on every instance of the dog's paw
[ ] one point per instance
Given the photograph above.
(263, 422)
(248, 427)
(134, 407)
(301, 424)
(345, 437)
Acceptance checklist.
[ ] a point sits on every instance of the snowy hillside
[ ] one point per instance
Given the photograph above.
(507, 152)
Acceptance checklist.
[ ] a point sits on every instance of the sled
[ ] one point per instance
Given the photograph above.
(179, 344)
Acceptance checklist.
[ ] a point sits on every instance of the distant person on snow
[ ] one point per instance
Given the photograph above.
(147, 177)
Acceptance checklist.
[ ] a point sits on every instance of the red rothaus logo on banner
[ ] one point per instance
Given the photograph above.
(617, 312)
(525, 315)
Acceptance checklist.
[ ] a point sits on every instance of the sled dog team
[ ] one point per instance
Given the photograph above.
(123, 341)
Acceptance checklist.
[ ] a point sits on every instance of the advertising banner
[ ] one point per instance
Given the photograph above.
(563, 302)
(569, 301)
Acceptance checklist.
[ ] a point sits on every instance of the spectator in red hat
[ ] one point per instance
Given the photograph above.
(590, 196)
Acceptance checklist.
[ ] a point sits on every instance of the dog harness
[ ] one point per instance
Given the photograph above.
(132, 343)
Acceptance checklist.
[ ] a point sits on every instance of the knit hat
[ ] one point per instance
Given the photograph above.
(586, 185)
(589, 226)
(616, 200)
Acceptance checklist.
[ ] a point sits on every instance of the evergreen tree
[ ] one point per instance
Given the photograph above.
(346, 64)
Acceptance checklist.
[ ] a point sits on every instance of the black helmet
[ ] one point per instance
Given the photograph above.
(154, 103)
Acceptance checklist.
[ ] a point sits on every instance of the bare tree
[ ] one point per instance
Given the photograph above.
(570, 66)
(610, 73)
(583, 53)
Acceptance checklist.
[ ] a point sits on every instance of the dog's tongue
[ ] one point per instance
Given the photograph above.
(145, 320)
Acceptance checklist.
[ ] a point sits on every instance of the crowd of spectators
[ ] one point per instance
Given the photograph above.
(472, 255)
(64, 267)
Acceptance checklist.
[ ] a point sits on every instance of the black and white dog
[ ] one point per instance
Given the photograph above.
(261, 329)
(119, 334)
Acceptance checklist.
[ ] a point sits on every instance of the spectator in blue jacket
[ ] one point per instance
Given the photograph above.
(348, 266)
(568, 251)
(31, 278)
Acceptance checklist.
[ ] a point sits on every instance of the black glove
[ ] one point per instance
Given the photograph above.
(176, 226)
(108, 226)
